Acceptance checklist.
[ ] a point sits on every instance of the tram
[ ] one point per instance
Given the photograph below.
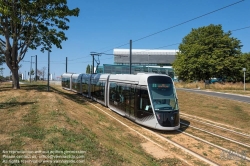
(148, 99)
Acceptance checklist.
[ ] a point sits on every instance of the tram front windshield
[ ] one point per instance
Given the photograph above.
(162, 93)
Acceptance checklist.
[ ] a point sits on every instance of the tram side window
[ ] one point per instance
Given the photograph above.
(126, 93)
(95, 90)
(117, 96)
(112, 94)
(73, 83)
(132, 100)
(99, 90)
(78, 84)
(123, 91)
(66, 82)
(102, 91)
(84, 87)
(92, 88)
(120, 95)
(144, 107)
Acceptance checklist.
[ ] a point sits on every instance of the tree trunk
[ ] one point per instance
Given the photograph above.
(15, 79)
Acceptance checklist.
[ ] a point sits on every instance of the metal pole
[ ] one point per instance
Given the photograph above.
(30, 68)
(36, 68)
(244, 70)
(48, 68)
(148, 63)
(92, 64)
(66, 64)
(130, 57)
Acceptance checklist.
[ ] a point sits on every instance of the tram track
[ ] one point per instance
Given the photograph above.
(217, 132)
(228, 139)
(233, 136)
(215, 155)
(207, 142)
(211, 160)
(216, 126)
(219, 148)
(224, 145)
(239, 143)
(215, 123)
(136, 128)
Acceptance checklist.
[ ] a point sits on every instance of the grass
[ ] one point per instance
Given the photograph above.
(35, 119)
(220, 110)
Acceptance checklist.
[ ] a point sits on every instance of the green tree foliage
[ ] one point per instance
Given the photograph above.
(88, 69)
(32, 72)
(31, 24)
(208, 52)
(246, 64)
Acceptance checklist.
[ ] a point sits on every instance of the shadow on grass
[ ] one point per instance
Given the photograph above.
(44, 88)
(172, 132)
(184, 124)
(78, 98)
(181, 129)
(8, 87)
(39, 88)
(13, 104)
(5, 88)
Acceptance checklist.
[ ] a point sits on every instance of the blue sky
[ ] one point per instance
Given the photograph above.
(105, 25)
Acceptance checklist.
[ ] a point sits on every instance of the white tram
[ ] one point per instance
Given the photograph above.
(147, 99)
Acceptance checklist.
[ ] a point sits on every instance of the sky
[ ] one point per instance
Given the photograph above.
(151, 24)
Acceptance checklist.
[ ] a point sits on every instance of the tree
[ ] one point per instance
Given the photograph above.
(88, 69)
(208, 52)
(2, 59)
(91, 69)
(246, 64)
(32, 72)
(31, 24)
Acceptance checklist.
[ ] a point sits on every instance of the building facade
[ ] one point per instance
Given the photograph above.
(142, 61)
(145, 57)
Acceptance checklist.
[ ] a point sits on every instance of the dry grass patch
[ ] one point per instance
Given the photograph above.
(221, 110)
(34, 119)
(154, 150)
(239, 86)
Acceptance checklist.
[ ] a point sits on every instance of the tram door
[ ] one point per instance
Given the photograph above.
(130, 101)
